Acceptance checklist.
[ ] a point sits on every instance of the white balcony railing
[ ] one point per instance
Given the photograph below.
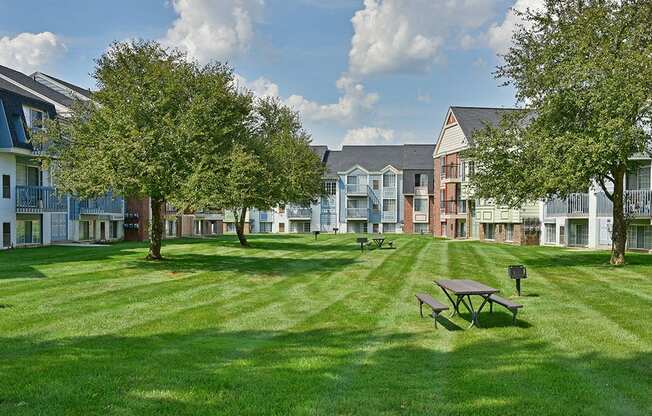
(359, 189)
(357, 213)
(389, 216)
(299, 213)
(574, 205)
(637, 203)
(421, 190)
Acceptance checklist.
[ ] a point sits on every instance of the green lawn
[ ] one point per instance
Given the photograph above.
(294, 326)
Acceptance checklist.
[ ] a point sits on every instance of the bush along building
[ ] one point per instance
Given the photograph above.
(457, 214)
(32, 211)
(367, 189)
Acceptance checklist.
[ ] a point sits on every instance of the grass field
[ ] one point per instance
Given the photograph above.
(294, 326)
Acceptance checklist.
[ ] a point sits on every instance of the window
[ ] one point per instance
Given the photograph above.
(421, 180)
(375, 228)
(84, 230)
(639, 237)
(551, 234)
(375, 207)
(113, 230)
(420, 228)
(170, 228)
(36, 118)
(265, 227)
(28, 232)
(420, 205)
(489, 231)
(352, 180)
(389, 228)
(230, 227)
(330, 187)
(6, 234)
(389, 180)
(196, 227)
(6, 186)
(509, 232)
(376, 184)
(389, 205)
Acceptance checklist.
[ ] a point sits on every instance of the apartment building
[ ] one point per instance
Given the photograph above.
(457, 213)
(367, 189)
(32, 212)
(585, 219)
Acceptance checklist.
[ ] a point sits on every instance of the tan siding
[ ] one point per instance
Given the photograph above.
(453, 140)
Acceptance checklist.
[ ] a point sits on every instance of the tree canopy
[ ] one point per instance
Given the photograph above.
(268, 162)
(584, 70)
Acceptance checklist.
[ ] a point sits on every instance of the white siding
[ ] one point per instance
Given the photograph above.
(453, 140)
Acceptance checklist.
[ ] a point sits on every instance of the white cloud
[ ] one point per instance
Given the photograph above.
(370, 135)
(499, 36)
(353, 102)
(409, 35)
(213, 29)
(29, 52)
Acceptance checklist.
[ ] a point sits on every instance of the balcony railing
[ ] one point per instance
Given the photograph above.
(299, 213)
(574, 205)
(637, 203)
(357, 213)
(389, 216)
(452, 173)
(454, 207)
(389, 192)
(106, 204)
(39, 199)
(359, 189)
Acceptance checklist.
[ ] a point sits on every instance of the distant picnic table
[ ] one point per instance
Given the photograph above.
(464, 288)
(379, 241)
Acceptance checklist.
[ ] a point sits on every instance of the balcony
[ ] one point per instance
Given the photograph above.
(389, 192)
(454, 207)
(576, 205)
(104, 205)
(389, 216)
(452, 173)
(299, 213)
(357, 213)
(37, 199)
(357, 189)
(637, 203)
(420, 190)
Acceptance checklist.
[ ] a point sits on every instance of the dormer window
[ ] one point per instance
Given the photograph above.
(35, 118)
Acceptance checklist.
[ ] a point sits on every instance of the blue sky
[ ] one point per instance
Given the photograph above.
(358, 71)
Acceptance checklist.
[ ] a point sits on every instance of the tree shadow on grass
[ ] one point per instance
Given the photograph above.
(571, 258)
(211, 371)
(268, 266)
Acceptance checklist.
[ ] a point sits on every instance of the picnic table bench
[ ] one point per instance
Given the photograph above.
(512, 306)
(463, 289)
(436, 306)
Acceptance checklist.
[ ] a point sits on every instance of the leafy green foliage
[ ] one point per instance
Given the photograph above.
(584, 68)
(266, 162)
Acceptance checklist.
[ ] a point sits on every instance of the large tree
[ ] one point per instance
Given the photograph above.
(268, 162)
(132, 138)
(584, 70)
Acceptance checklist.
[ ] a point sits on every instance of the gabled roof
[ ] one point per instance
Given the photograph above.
(471, 119)
(75, 88)
(375, 158)
(320, 151)
(35, 87)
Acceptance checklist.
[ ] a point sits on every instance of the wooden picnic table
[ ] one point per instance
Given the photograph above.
(379, 241)
(464, 288)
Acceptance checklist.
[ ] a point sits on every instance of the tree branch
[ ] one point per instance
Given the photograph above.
(610, 195)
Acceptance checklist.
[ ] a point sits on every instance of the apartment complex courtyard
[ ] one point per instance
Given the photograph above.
(300, 326)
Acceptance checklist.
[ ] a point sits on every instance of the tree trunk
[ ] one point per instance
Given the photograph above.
(156, 230)
(239, 226)
(619, 231)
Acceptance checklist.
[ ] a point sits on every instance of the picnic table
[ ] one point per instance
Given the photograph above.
(379, 241)
(464, 288)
